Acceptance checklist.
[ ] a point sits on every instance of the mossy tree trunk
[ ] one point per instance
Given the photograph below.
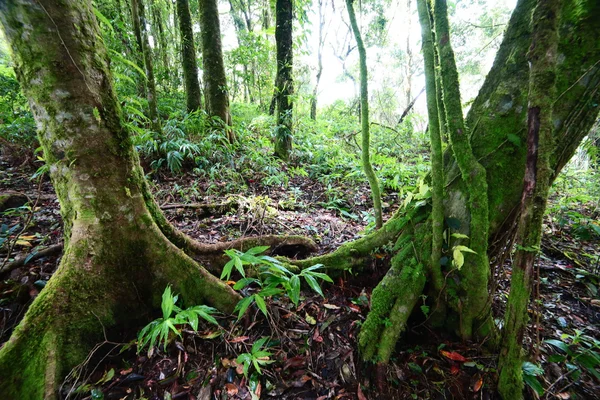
(542, 92)
(499, 110)
(364, 118)
(322, 36)
(188, 55)
(117, 262)
(139, 22)
(284, 83)
(215, 82)
(437, 162)
(473, 302)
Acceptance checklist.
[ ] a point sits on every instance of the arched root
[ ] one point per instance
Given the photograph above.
(211, 255)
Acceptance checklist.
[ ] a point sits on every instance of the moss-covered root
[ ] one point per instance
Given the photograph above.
(392, 303)
(355, 255)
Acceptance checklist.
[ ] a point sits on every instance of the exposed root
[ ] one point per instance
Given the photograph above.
(206, 209)
(392, 303)
(355, 255)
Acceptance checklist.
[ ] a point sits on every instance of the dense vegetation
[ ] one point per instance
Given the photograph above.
(112, 108)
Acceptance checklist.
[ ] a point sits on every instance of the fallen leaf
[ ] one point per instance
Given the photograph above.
(452, 355)
(478, 385)
(231, 388)
(454, 369)
(239, 339)
(360, 394)
(311, 320)
(563, 395)
(331, 306)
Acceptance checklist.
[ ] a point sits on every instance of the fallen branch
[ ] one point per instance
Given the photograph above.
(19, 262)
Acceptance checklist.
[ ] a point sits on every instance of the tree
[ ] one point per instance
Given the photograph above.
(139, 23)
(117, 261)
(284, 83)
(492, 148)
(215, 81)
(364, 119)
(188, 55)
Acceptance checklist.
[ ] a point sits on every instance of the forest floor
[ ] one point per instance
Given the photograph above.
(313, 346)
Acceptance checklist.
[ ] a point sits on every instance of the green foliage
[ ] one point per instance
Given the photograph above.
(577, 352)
(275, 278)
(163, 329)
(530, 373)
(256, 357)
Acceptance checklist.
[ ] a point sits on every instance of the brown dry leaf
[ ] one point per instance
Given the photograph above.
(226, 362)
(239, 339)
(563, 395)
(478, 384)
(452, 355)
(232, 389)
(360, 394)
(331, 306)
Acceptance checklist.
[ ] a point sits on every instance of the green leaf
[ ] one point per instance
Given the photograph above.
(532, 369)
(103, 19)
(514, 139)
(243, 305)
(559, 345)
(534, 384)
(464, 249)
(227, 270)
(239, 266)
(260, 302)
(320, 275)
(242, 283)
(458, 258)
(294, 292)
(259, 344)
(119, 57)
(168, 302)
(312, 282)
(269, 291)
(257, 250)
(459, 236)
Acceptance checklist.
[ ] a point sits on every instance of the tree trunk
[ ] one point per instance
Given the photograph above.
(322, 35)
(215, 81)
(542, 92)
(158, 23)
(139, 23)
(364, 113)
(188, 55)
(284, 84)
(117, 262)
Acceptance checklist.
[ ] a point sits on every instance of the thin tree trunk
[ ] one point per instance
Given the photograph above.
(215, 81)
(364, 112)
(437, 163)
(542, 92)
(475, 303)
(313, 100)
(116, 262)
(284, 83)
(188, 55)
(158, 23)
(139, 20)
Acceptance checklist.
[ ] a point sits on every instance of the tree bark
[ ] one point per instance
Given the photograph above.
(117, 262)
(284, 83)
(139, 22)
(215, 81)
(188, 55)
